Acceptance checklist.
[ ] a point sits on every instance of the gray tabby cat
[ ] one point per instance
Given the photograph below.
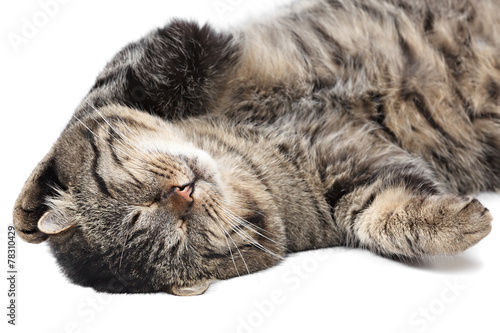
(201, 155)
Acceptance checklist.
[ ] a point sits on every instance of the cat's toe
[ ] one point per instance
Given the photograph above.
(475, 222)
(468, 222)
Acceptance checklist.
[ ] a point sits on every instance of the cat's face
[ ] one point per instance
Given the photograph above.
(133, 204)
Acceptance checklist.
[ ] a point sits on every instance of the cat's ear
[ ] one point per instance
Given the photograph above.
(53, 222)
(193, 290)
(31, 205)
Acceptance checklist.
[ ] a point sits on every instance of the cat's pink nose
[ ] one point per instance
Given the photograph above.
(185, 192)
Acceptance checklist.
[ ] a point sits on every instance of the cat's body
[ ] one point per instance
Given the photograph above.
(355, 123)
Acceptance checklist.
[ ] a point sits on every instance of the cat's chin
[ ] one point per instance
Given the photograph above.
(193, 290)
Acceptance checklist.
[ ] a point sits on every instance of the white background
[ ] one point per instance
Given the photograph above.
(333, 290)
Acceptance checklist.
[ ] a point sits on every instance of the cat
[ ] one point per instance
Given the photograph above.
(201, 155)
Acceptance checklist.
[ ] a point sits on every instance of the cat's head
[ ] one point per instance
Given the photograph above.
(131, 203)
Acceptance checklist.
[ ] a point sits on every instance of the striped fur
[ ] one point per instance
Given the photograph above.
(360, 123)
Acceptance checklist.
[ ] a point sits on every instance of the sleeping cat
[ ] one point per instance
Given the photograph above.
(201, 155)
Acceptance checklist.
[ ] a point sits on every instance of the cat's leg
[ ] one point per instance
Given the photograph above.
(410, 222)
(174, 72)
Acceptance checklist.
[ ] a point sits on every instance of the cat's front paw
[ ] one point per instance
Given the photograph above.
(453, 223)
(421, 226)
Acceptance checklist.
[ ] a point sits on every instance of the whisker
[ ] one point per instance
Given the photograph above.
(250, 225)
(232, 240)
(241, 255)
(243, 234)
(123, 249)
(246, 224)
(229, 247)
